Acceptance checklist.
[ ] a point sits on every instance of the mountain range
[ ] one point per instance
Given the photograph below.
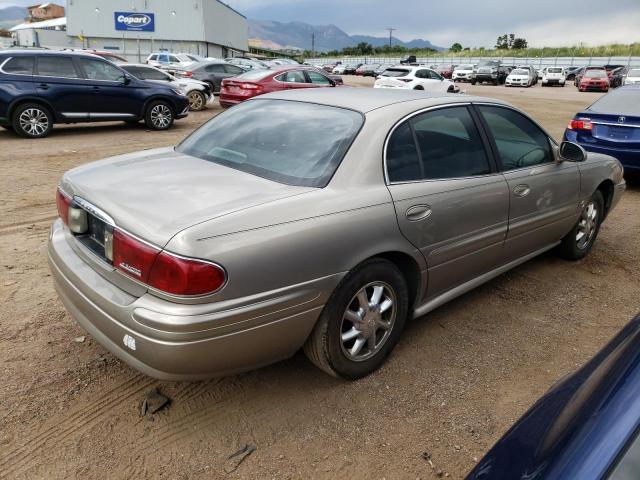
(11, 16)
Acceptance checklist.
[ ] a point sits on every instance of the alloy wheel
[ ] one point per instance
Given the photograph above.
(196, 102)
(161, 116)
(34, 121)
(368, 321)
(587, 225)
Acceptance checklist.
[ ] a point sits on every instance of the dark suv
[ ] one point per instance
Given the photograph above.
(489, 71)
(40, 88)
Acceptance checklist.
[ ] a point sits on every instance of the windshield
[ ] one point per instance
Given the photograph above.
(254, 75)
(634, 72)
(554, 70)
(395, 72)
(520, 71)
(595, 73)
(294, 143)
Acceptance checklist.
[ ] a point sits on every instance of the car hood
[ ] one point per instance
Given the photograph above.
(157, 193)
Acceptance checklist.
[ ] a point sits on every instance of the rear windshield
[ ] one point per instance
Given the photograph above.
(254, 75)
(554, 70)
(294, 143)
(595, 73)
(395, 72)
(623, 101)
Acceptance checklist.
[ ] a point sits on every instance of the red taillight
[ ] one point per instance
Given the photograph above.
(185, 276)
(132, 256)
(63, 201)
(580, 125)
(250, 86)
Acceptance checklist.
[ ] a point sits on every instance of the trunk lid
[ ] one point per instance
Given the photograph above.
(621, 131)
(157, 193)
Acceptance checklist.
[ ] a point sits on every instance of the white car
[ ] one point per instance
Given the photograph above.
(632, 77)
(166, 59)
(554, 76)
(462, 73)
(339, 69)
(520, 77)
(199, 93)
(415, 78)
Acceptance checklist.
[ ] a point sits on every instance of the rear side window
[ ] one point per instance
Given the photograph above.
(56, 66)
(216, 68)
(294, 77)
(19, 66)
(233, 69)
(440, 144)
(153, 57)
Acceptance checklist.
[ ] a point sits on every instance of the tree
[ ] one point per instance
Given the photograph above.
(519, 44)
(456, 47)
(502, 43)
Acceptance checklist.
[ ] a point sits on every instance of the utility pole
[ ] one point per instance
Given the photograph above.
(313, 44)
(391, 29)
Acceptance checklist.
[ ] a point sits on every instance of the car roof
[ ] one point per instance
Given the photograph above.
(365, 100)
(19, 52)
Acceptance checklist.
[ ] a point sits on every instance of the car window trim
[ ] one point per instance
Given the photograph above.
(481, 133)
(552, 143)
(75, 67)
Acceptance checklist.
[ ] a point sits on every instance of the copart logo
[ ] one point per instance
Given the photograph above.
(135, 19)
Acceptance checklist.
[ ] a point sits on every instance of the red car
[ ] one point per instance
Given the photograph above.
(257, 82)
(445, 70)
(594, 79)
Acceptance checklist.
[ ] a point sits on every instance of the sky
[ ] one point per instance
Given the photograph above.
(473, 23)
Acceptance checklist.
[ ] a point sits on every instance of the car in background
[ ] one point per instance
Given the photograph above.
(367, 70)
(166, 59)
(580, 74)
(415, 78)
(351, 68)
(632, 77)
(338, 69)
(587, 426)
(519, 77)
(594, 79)
(553, 76)
(212, 73)
(247, 63)
(491, 71)
(39, 88)
(408, 60)
(258, 82)
(616, 76)
(328, 67)
(611, 125)
(462, 73)
(445, 70)
(380, 70)
(199, 93)
(533, 72)
(571, 72)
(106, 54)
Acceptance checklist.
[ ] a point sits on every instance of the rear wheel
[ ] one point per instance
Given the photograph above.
(197, 100)
(159, 116)
(361, 322)
(578, 242)
(7, 127)
(32, 120)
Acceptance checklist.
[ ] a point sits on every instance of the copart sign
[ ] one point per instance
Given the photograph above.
(135, 21)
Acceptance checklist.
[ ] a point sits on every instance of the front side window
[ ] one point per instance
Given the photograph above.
(56, 66)
(439, 144)
(262, 137)
(153, 57)
(19, 65)
(318, 79)
(520, 142)
(99, 70)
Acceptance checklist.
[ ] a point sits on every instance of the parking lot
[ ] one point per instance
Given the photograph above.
(455, 383)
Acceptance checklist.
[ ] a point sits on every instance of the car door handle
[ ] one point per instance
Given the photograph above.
(521, 190)
(44, 86)
(418, 212)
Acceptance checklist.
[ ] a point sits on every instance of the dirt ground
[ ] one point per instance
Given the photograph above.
(457, 380)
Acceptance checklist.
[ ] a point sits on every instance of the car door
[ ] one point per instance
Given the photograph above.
(427, 81)
(450, 200)
(111, 95)
(58, 81)
(544, 193)
(318, 80)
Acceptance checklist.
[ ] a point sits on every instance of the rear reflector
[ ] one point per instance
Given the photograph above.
(580, 125)
(63, 201)
(185, 276)
(132, 256)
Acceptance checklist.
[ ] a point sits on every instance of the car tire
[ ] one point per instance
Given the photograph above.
(7, 127)
(473, 82)
(197, 100)
(213, 87)
(375, 298)
(579, 241)
(32, 120)
(159, 116)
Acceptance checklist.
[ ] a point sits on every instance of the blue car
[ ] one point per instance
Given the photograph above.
(586, 427)
(611, 126)
(39, 88)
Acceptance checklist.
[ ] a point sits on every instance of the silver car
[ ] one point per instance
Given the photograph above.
(321, 219)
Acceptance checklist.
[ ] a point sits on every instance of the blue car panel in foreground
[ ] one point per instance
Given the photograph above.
(584, 428)
(611, 126)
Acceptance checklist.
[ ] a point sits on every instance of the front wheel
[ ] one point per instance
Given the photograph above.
(361, 322)
(159, 116)
(578, 242)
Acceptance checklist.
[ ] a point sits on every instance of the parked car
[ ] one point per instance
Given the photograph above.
(254, 83)
(212, 73)
(198, 93)
(571, 72)
(41, 87)
(166, 59)
(585, 427)
(381, 69)
(581, 73)
(462, 73)
(247, 64)
(330, 66)
(594, 79)
(408, 60)
(368, 69)
(616, 77)
(611, 125)
(338, 69)
(519, 77)
(445, 70)
(532, 71)
(415, 78)
(554, 76)
(211, 272)
(632, 77)
(489, 71)
(351, 68)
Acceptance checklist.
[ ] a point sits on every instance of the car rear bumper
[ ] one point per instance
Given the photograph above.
(185, 342)
(628, 157)
(552, 81)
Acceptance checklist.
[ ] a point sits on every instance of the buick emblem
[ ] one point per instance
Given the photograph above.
(621, 119)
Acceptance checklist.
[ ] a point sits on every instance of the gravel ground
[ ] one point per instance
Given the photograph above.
(457, 380)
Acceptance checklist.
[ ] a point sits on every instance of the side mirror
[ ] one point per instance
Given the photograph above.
(572, 152)
(126, 79)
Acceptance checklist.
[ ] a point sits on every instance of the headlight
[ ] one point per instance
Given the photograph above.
(178, 91)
